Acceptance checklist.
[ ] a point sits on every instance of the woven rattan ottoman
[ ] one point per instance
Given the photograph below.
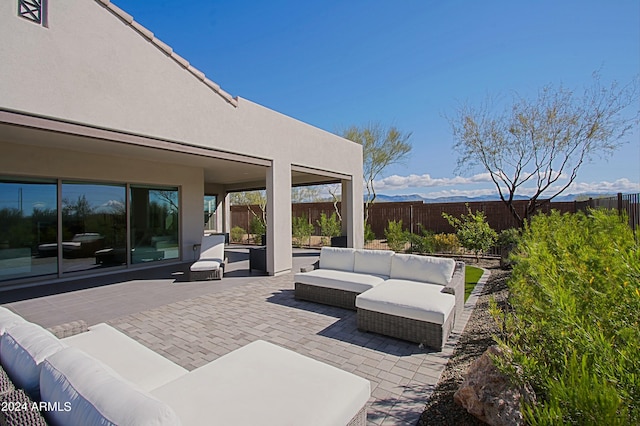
(408, 310)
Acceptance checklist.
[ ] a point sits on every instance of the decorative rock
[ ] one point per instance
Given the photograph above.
(489, 395)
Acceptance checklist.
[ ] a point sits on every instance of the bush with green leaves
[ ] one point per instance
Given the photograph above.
(369, 235)
(258, 228)
(396, 236)
(237, 234)
(424, 243)
(301, 230)
(446, 243)
(574, 323)
(330, 226)
(473, 231)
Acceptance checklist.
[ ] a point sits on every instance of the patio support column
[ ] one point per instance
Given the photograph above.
(279, 251)
(352, 213)
(223, 220)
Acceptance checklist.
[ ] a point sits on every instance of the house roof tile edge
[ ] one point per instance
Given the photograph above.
(140, 29)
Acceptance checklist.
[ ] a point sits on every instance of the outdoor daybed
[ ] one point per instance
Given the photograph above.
(101, 376)
(410, 297)
(210, 265)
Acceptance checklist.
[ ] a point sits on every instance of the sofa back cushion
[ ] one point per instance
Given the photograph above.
(337, 258)
(376, 262)
(8, 319)
(23, 348)
(88, 392)
(428, 269)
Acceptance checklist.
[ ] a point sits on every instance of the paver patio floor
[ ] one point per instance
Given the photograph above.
(221, 316)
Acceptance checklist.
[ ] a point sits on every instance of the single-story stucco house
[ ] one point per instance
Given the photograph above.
(110, 142)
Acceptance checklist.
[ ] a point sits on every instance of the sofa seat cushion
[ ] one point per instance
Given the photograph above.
(23, 348)
(262, 383)
(428, 269)
(340, 280)
(8, 319)
(337, 258)
(96, 395)
(408, 299)
(375, 262)
(137, 363)
(206, 265)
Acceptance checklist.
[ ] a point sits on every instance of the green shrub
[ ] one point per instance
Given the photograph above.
(301, 230)
(258, 228)
(473, 231)
(397, 237)
(574, 328)
(329, 227)
(237, 234)
(368, 233)
(424, 243)
(446, 243)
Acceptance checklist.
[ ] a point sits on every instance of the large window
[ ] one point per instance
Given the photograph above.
(94, 227)
(210, 205)
(154, 224)
(28, 229)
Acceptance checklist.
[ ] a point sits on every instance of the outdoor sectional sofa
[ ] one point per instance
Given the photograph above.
(101, 376)
(410, 297)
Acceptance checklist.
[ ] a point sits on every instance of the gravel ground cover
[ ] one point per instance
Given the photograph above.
(476, 338)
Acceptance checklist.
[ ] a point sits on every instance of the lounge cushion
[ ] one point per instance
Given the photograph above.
(341, 280)
(408, 299)
(212, 247)
(264, 384)
(8, 319)
(206, 265)
(97, 395)
(375, 262)
(23, 348)
(427, 269)
(337, 258)
(129, 358)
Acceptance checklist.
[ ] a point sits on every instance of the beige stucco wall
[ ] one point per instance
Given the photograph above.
(90, 67)
(20, 160)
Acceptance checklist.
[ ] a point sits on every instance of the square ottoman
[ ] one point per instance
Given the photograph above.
(407, 310)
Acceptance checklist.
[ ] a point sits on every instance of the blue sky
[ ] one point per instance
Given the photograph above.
(337, 63)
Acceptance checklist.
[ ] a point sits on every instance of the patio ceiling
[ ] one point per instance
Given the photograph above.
(237, 172)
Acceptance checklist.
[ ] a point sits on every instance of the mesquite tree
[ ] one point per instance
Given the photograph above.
(540, 144)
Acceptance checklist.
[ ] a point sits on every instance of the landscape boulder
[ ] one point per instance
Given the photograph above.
(489, 395)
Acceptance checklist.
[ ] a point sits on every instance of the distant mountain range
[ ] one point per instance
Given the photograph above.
(381, 198)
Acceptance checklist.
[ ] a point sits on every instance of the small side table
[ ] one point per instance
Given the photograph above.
(258, 259)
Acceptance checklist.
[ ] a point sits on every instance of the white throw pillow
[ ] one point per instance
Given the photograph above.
(337, 258)
(87, 392)
(8, 319)
(428, 269)
(23, 347)
(376, 262)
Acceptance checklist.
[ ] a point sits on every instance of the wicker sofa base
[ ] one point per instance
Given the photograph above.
(359, 419)
(327, 296)
(426, 333)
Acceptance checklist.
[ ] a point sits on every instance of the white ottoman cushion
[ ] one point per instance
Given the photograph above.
(96, 395)
(139, 364)
(375, 262)
(428, 269)
(23, 347)
(337, 258)
(408, 299)
(265, 384)
(340, 280)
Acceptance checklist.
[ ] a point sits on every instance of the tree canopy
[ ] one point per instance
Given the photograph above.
(381, 147)
(538, 145)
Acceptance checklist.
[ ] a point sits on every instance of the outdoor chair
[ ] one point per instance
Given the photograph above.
(210, 265)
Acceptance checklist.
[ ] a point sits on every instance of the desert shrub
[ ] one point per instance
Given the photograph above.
(574, 328)
(237, 234)
(330, 226)
(301, 230)
(446, 243)
(424, 243)
(369, 235)
(473, 231)
(397, 237)
(258, 228)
